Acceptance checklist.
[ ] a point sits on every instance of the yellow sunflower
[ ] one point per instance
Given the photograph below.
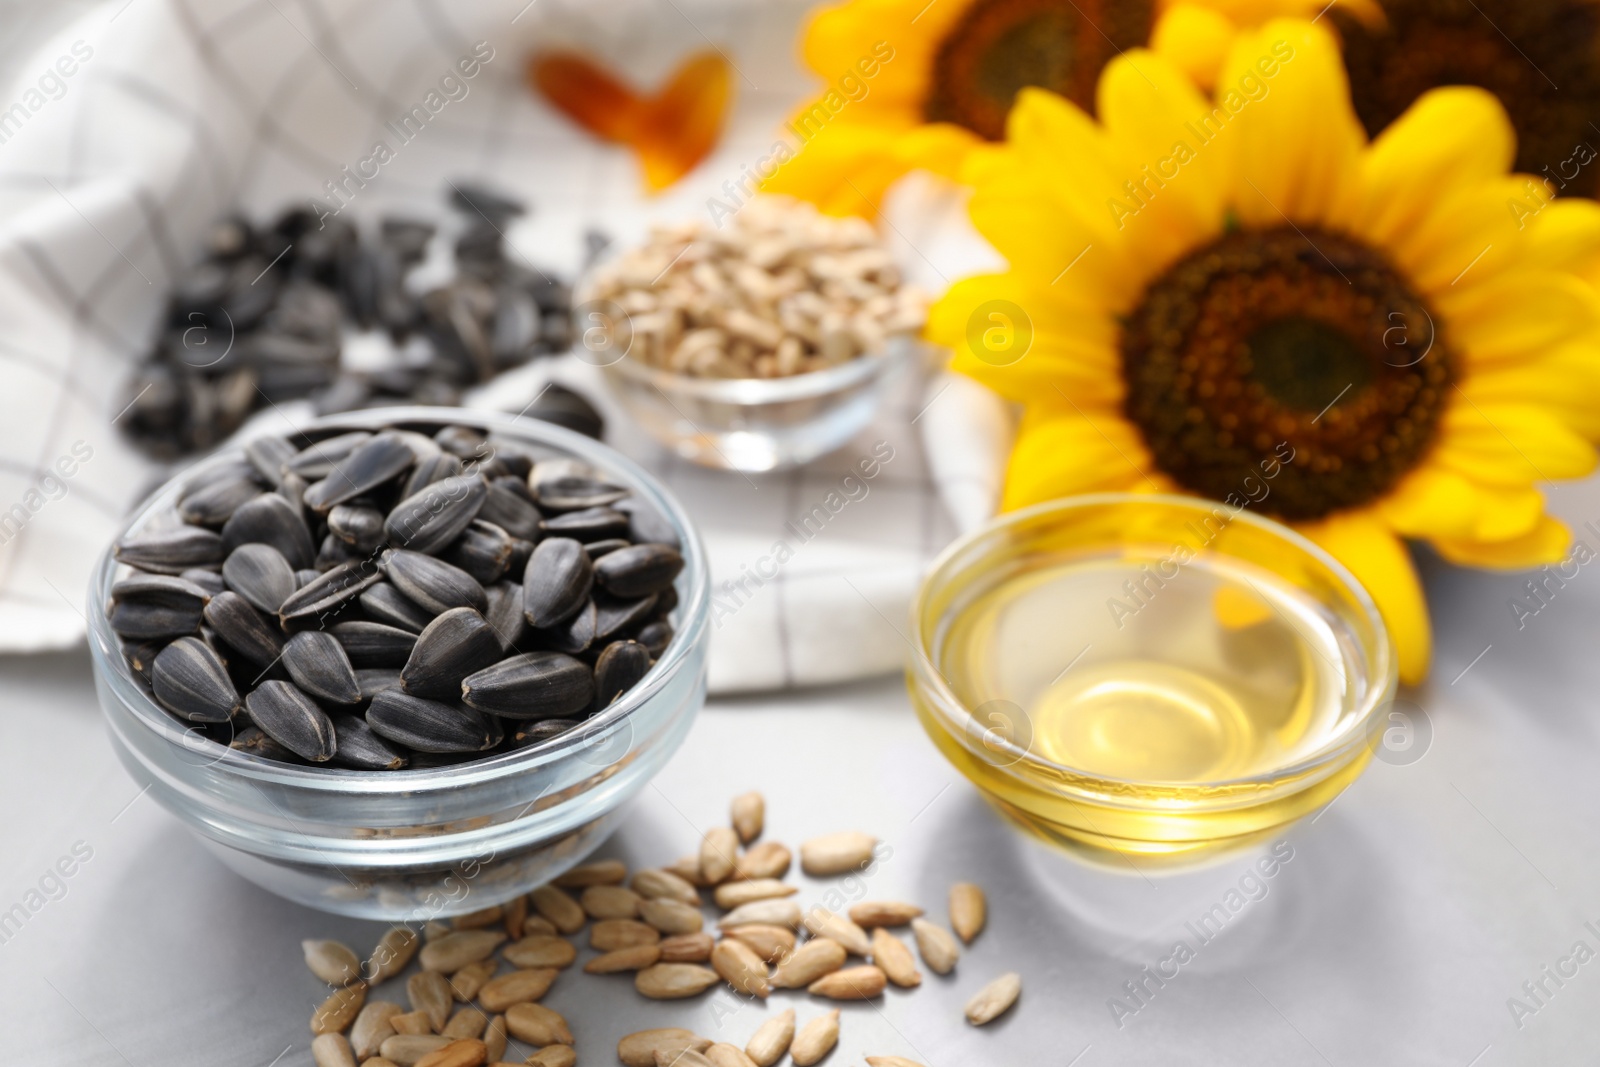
(1195, 288)
(927, 84)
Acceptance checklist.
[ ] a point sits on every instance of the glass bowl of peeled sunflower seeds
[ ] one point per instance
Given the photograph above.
(406, 663)
(756, 344)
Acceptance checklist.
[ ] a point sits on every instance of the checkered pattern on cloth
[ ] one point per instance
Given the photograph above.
(185, 109)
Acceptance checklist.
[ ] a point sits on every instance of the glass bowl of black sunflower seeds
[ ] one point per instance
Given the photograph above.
(407, 663)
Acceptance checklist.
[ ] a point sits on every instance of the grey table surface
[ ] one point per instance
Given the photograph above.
(1413, 909)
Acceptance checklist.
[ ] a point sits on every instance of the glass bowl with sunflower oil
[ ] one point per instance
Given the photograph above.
(1138, 675)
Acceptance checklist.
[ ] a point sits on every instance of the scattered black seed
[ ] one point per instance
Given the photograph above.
(151, 606)
(646, 526)
(359, 746)
(435, 468)
(376, 461)
(318, 664)
(329, 591)
(655, 636)
(171, 551)
(556, 582)
(638, 570)
(511, 510)
(534, 685)
(620, 667)
(388, 605)
(191, 681)
(373, 644)
(596, 549)
(436, 514)
(358, 527)
(536, 733)
(209, 580)
(557, 488)
(590, 524)
(259, 573)
(456, 644)
(433, 584)
(270, 519)
(612, 614)
(293, 719)
(318, 459)
(244, 629)
(428, 725)
(254, 740)
(505, 614)
(484, 551)
(576, 634)
(267, 455)
(373, 680)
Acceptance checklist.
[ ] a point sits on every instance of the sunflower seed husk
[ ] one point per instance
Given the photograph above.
(937, 948)
(377, 460)
(968, 910)
(540, 950)
(435, 468)
(318, 664)
(674, 981)
(871, 913)
(671, 916)
(360, 528)
(654, 884)
(336, 1013)
(254, 741)
(171, 551)
(556, 582)
(394, 950)
(518, 987)
(505, 614)
(436, 514)
(513, 512)
(537, 733)
(268, 454)
(595, 872)
(638, 570)
(732, 894)
(494, 1038)
(894, 959)
(483, 550)
(332, 1050)
(820, 922)
(407, 1050)
(613, 616)
(768, 859)
(589, 524)
(534, 685)
(331, 961)
(784, 913)
(610, 902)
(429, 993)
(640, 1049)
(537, 1025)
(836, 853)
(809, 962)
(815, 1039)
(748, 813)
(465, 983)
(608, 935)
(467, 1022)
(433, 584)
(372, 1028)
(427, 725)
(388, 605)
(358, 745)
(771, 943)
(723, 1054)
(994, 999)
(558, 907)
(329, 591)
(293, 720)
(190, 680)
(139, 620)
(718, 851)
(557, 488)
(573, 636)
(741, 968)
(456, 644)
(771, 1039)
(455, 950)
(374, 644)
(215, 504)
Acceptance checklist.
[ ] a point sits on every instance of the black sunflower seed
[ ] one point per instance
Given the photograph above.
(360, 528)
(270, 519)
(456, 644)
(254, 740)
(216, 503)
(655, 636)
(142, 656)
(373, 680)
(556, 582)
(433, 469)
(463, 442)
(436, 514)
(329, 591)
(646, 526)
(534, 685)
(536, 733)
(171, 551)
(558, 485)
(590, 524)
(575, 635)
(372, 644)
(318, 664)
(317, 459)
(638, 570)
(374, 462)
(191, 681)
(334, 552)
(432, 583)
(619, 668)
(306, 576)
(510, 510)
(259, 573)
(614, 614)
(360, 747)
(596, 549)
(483, 550)
(388, 605)
(268, 455)
(244, 629)
(428, 725)
(505, 614)
(293, 489)
(161, 590)
(293, 719)
(138, 621)
(209, 580)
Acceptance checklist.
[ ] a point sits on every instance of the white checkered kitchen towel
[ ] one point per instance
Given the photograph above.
(146, 119)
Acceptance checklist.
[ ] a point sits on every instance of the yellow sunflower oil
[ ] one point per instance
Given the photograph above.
(1144, 699)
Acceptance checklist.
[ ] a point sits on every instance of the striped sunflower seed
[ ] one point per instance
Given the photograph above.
(537, 1025)
(968, 910)
(388, 605)
(244, 629)
(454, 645)
(809, 962)
(534, 685)
(269, 519)
(359, 527)
(771, 1039)
(815, 1039)
(510, 510)
(622, 664)
(563, 485)
(613, 615)
(379, 459)
(373, 644)
(483, 550)
(638, 570)
(428, 725)
(436, 514)
(556, 582)
(994, 999)
(358, 745)
(433, 584)
(208, 580)
(576, 634)
(431, 470)
(331, 961)
(589, 524)
(214, 504)
(260, 574)
(318, 664)
(640, 1049)
(190, 680)
(328, 592)
(293, 719)
(171, 551)
(267, 454)
(505, 614)
(674, 981)
(316, 459)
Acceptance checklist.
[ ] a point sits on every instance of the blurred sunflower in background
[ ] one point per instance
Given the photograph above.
(1541, 58)
(927, 84)
(1199, 286)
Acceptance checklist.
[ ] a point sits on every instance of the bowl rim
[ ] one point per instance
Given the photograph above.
(1356, 734)
(753, 392)
(694, 614)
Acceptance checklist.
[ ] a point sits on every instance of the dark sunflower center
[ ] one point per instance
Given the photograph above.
(1000, 47)
(1541, 59)
(1283, 337)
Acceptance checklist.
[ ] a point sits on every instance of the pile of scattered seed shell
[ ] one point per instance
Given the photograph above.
(382, 600)
(653, 928)
(782, 290)
(263, 318)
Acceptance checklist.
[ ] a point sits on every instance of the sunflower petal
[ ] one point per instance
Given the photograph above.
(1511, 444)
(1547, 542)
(845, 169)
(1519, 315)
(1062, 455)
(1380, 562)
(1194, 38)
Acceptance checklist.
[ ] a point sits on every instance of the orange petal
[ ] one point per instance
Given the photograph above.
(587, 94)
(684, 120)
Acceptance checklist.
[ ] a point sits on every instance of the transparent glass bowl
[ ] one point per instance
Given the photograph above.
(759, 424)
(1096, 816)
(415, 844)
